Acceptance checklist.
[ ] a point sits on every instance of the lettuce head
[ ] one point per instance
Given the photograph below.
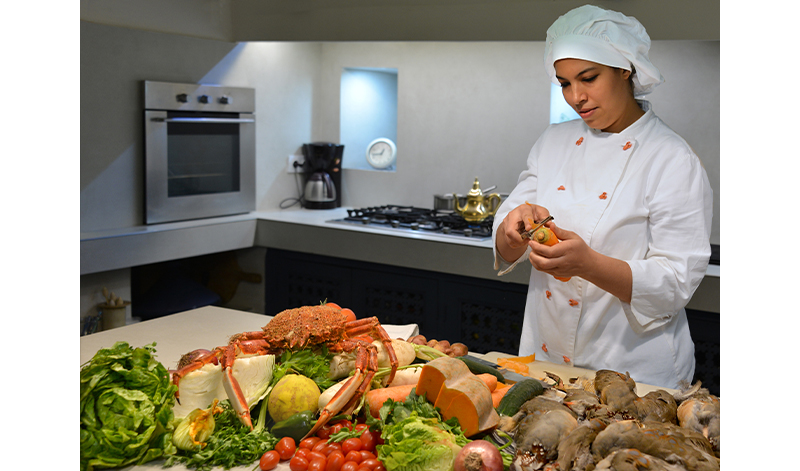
(419, 444)
(126, 408)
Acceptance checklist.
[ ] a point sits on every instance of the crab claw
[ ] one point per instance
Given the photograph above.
(339, 400)
(234, 391)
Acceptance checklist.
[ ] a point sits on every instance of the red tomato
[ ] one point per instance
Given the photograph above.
(361, 426)
(353, 456)
(320, 446)
(309, 442)
(351, 444)
(380, 467)
(317, 464)
(324, 432)
(335, 461)
(368, 440)
(367, 455)
(304, 452)
(316, 455)
(370, 463)
(333, 305)
(286, 448)
(332, 447)
(298, 463)
(269, 460)
(349, 466)
(350, 315)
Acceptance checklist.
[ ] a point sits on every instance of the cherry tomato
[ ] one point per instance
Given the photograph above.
(333, 305)
(332, 447)
(370, 463)
(286, 448)
(324, 432)
(319, 446)
(298, 463)
(316, 455)
(317, 464)
(351, 444)
(349, 466)
(335, 461)
(309, 442)
(269, 460)
(304, 452)
(367, 455)
(350, 315)
(361, 426)
(368, 440)
(353, 456)
(380, 467)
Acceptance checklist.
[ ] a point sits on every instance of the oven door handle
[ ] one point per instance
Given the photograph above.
(206, 120)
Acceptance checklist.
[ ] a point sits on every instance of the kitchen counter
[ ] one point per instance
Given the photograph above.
(211, 326)
(302, 230)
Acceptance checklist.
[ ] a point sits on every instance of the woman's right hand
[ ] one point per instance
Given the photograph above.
(510, 243)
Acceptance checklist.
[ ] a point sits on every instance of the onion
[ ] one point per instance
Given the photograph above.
(479, 455)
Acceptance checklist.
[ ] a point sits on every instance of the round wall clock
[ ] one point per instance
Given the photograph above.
(381, 153)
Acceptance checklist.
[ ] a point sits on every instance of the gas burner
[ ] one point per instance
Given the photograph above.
(410, 218)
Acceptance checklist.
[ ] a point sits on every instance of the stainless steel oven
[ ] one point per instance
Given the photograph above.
(199, 151)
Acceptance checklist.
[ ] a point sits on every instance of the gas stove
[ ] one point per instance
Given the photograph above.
(420, 220)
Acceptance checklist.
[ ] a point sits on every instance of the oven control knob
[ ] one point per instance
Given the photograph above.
(203, 98)
(225, 100)
(182, 97)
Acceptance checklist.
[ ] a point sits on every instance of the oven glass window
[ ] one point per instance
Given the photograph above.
(202, 158)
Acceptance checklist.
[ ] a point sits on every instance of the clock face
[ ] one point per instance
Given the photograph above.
(381, 153)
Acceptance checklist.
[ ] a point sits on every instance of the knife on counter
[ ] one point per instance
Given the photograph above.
(508, 374)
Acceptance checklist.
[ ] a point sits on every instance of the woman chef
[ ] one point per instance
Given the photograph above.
(632, 208)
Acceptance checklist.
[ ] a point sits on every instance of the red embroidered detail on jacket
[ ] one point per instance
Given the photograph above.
(561, 188)
(579, 142)
(544, 347)
(627, 146)
(573, 303)
(548, 293)
(603, 196)
(566, 359)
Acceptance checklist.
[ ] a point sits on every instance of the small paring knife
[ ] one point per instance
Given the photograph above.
(529, 234)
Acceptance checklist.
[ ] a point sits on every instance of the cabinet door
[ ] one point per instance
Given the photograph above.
(397, 297)
(485, 315)
(293, 280)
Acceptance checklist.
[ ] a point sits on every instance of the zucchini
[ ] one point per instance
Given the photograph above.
(477, 368)
(519, 394)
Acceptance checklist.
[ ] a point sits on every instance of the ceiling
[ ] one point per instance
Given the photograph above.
(391, 20)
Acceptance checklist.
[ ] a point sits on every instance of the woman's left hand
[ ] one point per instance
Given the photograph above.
(568, 258)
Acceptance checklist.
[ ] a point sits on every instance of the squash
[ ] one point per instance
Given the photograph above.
(449, 385)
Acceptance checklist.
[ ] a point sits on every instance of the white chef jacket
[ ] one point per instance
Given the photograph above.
(641, 196)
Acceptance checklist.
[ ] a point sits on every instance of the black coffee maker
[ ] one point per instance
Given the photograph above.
(323, 170)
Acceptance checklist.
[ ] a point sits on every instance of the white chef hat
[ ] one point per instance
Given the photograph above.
(605, 37)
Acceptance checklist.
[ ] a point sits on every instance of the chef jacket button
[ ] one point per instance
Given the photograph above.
(566, 359)
(603, 196)
(627, 145)
(561, 188)
(573, 303)
(548, 293)
(544, 347)
(579, 142)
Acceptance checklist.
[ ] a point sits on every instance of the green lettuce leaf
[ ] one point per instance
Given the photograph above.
(418, 443)
(126, 408)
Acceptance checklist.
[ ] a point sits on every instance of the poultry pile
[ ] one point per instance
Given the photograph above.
(601, 423)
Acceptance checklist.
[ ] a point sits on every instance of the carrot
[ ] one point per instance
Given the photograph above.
(497, 394)
(376, 397)
(490, 380)
(545, 236)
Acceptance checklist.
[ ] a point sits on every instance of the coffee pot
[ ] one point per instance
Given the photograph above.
(478, 207)
(322, 166)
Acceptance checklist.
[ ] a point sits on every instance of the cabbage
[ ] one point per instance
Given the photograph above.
(126, 408)
(419, 444)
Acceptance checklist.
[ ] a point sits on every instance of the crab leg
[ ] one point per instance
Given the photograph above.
(357, 385)
(232, 388)
(196, 363)
(371, 325)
